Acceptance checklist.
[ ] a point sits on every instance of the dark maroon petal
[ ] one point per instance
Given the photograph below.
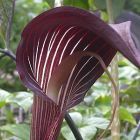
(71, 76)
(51, 61)
(135, 26)
(46, 121)
(124, 30)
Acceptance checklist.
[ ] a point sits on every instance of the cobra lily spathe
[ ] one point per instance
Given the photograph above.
(56, 60)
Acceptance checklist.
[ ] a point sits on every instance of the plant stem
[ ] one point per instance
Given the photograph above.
(9, 26)
(8, 53)
(115, 128)
(73, 127)
(110, 11)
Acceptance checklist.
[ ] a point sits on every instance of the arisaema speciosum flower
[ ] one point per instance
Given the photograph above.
(59, 59)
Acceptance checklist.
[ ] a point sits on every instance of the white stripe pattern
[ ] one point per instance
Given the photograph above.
(54, 48)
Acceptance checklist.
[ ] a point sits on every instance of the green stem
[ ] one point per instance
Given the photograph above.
(110, 11)
(115, 128)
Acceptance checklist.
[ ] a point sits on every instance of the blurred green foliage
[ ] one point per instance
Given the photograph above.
(133, 5)
(77, 3)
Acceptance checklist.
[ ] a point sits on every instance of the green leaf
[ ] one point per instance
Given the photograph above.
(104, 16)
(23, 99)
(103, 99)
(50, 3)
(76, 117)
(92, 5)
(77, 3)
(123, 63)
(87, 132)
(67, 134)
(97, 122)
(131, 94)
(21, 131)
(4, 96)
(9, 116)
(127, 72)
(125, 115)
(88, 128)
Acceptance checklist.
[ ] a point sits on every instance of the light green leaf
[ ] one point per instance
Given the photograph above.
(92, 5)
(77, 3)
(67, 134)
(104, 16)
(97, 122)
(125, 115)
(88, 128)
(123, 63)
(76, 117)
(4, 96)
(21, 131)
(23, 99)
(127, 72)
(131, 94)
(50, 3)
(87, 132)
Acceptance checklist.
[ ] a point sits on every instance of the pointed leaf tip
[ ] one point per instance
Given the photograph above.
(124, 30)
